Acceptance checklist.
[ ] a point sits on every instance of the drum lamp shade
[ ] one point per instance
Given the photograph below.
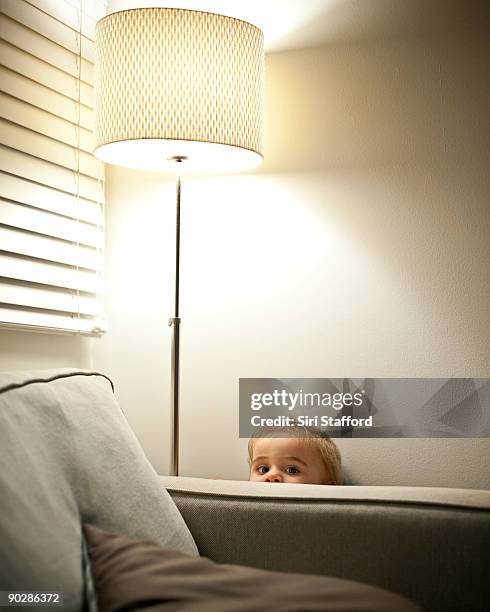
(176, 83)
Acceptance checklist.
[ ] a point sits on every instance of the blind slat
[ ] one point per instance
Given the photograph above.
(51, 321)
(45, 74)
(56, 275)
(40, 171)
(33, 143)
(93, 8)
(45, 198)
(49, 249)
(49, 27)
(68, 14)
(60, 10)
(49, 224)
(38, 120)
(48, 299)
(38, 95)
(46, 50)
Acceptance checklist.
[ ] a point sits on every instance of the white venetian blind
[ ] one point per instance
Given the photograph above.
(51, 186)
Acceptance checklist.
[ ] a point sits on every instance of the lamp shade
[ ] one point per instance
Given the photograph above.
(177, 83)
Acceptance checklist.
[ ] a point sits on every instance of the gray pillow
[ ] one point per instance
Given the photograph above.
(68, 456)
(137, 575)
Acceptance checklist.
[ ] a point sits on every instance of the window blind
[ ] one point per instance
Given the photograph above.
(51, 186)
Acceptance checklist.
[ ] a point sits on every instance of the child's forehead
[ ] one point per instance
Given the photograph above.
(279, 446)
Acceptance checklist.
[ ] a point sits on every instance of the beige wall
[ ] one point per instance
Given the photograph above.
(20, 350)
(358, 249)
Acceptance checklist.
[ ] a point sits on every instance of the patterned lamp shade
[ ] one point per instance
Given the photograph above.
(175, 83)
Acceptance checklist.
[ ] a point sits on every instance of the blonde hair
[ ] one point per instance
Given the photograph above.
(310, 436)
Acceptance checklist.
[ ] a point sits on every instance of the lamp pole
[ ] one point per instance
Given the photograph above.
(174, 323)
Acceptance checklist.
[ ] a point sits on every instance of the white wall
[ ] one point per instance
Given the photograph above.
(38, 351)
(20, 350)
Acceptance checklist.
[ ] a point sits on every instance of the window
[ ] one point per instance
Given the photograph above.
(51, 186)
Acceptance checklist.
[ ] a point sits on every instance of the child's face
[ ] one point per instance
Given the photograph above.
(287, 460)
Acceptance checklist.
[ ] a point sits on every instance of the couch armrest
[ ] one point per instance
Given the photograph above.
(430, 545)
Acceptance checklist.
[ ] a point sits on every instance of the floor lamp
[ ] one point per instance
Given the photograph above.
(178, 91)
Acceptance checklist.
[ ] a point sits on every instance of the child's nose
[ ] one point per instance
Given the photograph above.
(273, 476)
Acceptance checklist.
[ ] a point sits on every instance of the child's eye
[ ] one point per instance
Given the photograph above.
(262, 469)
(292, 469)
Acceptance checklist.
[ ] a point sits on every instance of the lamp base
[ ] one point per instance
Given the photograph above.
(174, 322)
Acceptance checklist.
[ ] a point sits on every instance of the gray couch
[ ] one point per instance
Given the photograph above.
(431, 545)
(68, 456)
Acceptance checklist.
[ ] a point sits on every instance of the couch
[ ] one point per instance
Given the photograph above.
(430, 544)
(68, 456)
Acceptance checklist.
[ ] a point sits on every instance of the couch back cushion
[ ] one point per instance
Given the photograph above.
(68, 456)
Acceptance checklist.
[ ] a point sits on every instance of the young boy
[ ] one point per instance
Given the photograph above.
(305, 456)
